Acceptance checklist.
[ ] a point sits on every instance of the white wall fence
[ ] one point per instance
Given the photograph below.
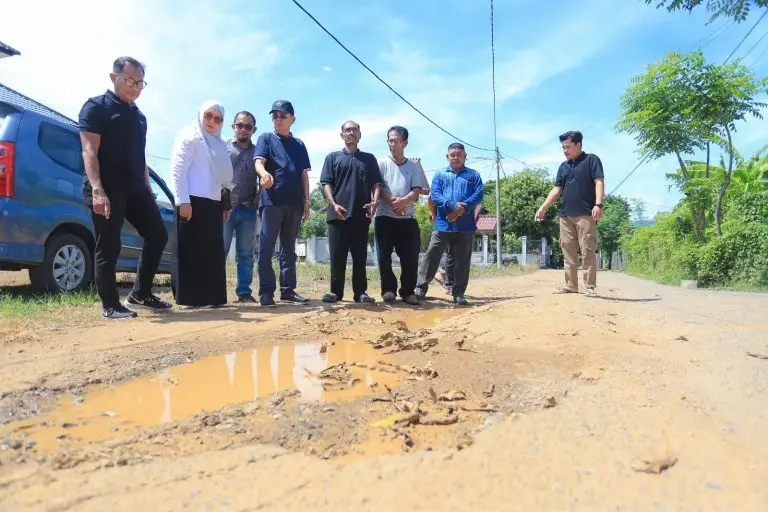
(317, 252)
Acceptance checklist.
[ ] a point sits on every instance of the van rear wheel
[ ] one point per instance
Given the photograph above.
(67, 266)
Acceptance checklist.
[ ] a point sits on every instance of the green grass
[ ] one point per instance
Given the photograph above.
(14, 305)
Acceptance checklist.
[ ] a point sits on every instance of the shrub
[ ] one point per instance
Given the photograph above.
(740, 257)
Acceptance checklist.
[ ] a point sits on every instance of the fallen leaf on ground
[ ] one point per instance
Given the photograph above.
(489, 392)
(550, 401)
(401, 325)
(757, 356)
(479, 408)
(452, 396)
(682, 338)
(433, 395)
(448, 420)
(657, 466)
(464, 442)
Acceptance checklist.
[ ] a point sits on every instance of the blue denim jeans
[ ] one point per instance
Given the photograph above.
(242, 225)
(283, 222)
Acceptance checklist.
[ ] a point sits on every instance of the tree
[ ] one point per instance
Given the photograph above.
(613, 225)
(521, 195)
(727, 95)
(421, 212)
(658, 109)
(736, 10)
(682, 104)
(315, 225)
(637, 208)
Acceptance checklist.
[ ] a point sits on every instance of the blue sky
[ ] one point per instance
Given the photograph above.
(559, 67)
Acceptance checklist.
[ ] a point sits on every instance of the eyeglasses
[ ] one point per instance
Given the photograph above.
(276, 116)
(216, 119)
(130, 82)
(242, 126)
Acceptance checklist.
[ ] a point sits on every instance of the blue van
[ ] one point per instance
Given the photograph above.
(44, 224)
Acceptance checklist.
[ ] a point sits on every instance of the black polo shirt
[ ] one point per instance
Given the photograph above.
(123, 130)
(352, 176)
(577, 179)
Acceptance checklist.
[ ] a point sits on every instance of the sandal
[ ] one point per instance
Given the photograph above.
(562, 290)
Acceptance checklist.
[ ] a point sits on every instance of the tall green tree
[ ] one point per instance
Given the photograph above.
(613, 225)
(521, 195)
(658, 109)
(736, 10)
(682, 104)
(727, 95)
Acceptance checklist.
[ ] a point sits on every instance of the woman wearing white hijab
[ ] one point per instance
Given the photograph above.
(201, 172)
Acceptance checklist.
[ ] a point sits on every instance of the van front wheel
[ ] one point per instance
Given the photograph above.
(67, 267)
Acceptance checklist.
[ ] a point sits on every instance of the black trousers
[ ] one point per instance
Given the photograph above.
(135, 204)
(402, 236)
(461, 246)
(201, 278)
(346, 237)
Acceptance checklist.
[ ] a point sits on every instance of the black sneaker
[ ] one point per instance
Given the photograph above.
(118, 313)
(364, 298)
(246, 299)
(460, 301)
(330, 298)
(294, 297)
(152, 302)
(267, 300)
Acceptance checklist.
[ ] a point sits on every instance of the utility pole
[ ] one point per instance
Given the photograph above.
(499, 240)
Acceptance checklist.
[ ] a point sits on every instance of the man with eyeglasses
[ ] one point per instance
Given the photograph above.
(282, 163)
(116, 187)
(244, 199)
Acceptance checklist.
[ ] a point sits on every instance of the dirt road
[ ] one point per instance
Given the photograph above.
(526, 401)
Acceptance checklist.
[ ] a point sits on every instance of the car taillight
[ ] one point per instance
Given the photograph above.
(6, 169)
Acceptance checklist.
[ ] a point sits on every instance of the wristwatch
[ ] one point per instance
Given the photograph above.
(599, 205)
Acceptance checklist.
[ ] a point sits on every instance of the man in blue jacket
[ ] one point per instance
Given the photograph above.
(456, 191)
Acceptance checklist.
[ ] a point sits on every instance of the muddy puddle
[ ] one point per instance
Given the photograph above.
(209, 384)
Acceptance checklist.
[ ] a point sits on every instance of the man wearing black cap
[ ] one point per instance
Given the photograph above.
(282, 163)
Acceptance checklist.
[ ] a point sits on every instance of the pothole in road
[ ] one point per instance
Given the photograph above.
(336, 398)
(209, 384)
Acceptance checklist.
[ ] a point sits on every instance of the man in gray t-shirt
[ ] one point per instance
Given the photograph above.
(395, 225)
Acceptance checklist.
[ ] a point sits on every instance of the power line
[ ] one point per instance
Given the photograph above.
(645, 158)
(746, 36)
(700, 45)
(762, 54)
(754, 45)
(641, 162)
(385, 83)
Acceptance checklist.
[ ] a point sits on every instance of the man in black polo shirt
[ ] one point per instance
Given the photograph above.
(580, 182)
(352, 183)
(116, 187)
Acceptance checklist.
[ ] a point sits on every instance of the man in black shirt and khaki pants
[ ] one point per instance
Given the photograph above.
(580, 182)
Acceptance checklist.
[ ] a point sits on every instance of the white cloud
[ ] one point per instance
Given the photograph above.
(531, 134)
(192, 54)
(327, 69)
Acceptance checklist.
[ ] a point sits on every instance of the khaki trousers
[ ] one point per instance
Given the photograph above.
(575, 232)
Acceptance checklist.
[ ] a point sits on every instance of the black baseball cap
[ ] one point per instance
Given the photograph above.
(282, 106)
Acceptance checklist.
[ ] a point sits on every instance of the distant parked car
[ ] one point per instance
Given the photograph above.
(44, 224)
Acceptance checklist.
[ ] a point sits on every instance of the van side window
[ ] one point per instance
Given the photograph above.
(62, 146)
